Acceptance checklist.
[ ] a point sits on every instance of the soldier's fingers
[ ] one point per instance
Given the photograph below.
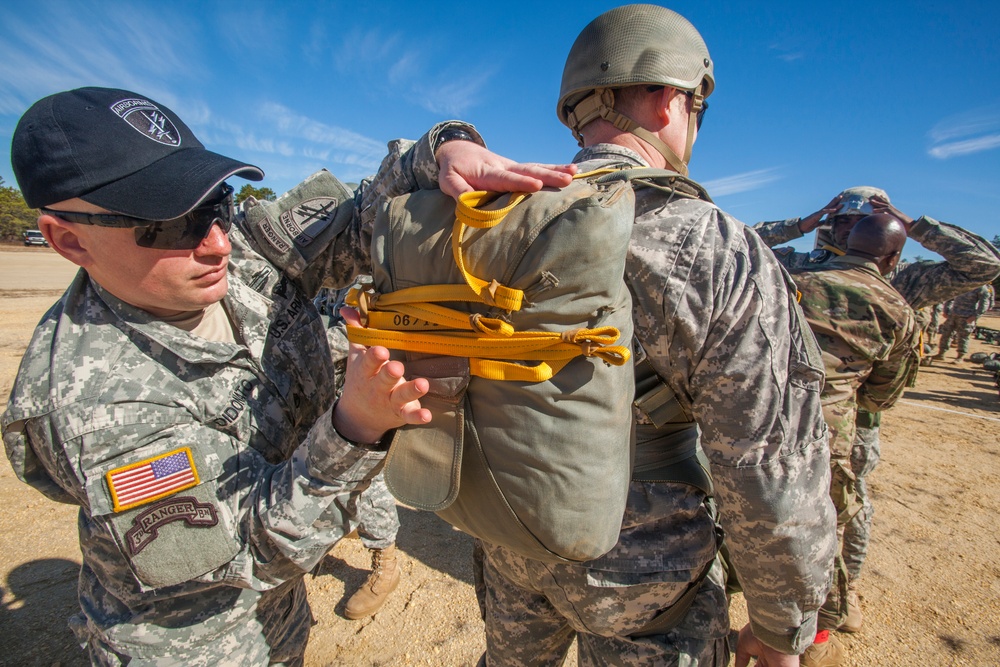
(373, 360)
(551, 175)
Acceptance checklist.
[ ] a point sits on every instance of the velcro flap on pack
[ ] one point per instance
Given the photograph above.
(423, 464)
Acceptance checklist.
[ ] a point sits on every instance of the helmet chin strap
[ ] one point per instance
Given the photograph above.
(600, 104)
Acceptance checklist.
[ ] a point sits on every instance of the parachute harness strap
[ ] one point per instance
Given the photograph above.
(413, 320)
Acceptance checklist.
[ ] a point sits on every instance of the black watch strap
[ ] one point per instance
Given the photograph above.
(451, 134)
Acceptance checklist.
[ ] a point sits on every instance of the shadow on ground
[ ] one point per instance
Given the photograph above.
(37, 599)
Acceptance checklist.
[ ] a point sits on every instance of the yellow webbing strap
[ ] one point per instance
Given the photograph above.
(409, 320)
(834, 249)
(467, 215)
(520, 346)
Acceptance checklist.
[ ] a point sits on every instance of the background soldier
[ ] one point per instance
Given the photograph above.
(969, 261)
(962, 313)
(718, 327)
(182, 391)
(869, 340)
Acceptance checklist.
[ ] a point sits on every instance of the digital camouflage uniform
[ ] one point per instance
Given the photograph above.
(969, 260)
(378, 520)
(869, 340)
(104, 385)
(962, 312)
(717, 317)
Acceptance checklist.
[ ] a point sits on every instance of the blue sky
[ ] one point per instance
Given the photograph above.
(811, 98)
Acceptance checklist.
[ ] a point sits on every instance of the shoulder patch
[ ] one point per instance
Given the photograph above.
(146, 525)
(151, 479)
(309, 218)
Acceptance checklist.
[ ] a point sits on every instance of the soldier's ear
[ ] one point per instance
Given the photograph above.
(65, 239)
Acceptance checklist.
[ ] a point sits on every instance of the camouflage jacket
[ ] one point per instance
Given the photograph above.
(869, 341)
(970, 260)
(973, 303)
(716, 315)
(207, 473)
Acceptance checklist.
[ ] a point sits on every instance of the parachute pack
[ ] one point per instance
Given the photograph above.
(515, 308)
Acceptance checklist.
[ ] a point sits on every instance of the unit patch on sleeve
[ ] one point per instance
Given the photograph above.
(146, 525)
(154, 478)
(309, 218)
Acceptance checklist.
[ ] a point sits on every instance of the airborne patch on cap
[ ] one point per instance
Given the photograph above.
(148, 120)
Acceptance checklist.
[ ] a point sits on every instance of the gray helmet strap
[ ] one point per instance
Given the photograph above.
(600, 104)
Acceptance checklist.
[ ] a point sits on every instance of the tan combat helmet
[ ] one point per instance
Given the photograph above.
(630, 46)
(857, 201)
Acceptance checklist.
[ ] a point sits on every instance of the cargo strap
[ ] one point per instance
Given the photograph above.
(411, 319)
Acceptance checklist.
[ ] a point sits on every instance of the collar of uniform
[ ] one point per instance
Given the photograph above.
(188, 347)
(610, 152)
(860, 262)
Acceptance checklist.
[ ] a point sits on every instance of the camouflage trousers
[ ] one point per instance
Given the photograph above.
(377, 516)
(865, 456)
(961, 329)
(276, 635)
(534, 611)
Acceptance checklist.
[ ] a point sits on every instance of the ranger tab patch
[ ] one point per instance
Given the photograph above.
(154, 478)
(147, 524)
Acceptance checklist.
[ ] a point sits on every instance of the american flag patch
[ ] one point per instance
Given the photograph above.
(139, 483)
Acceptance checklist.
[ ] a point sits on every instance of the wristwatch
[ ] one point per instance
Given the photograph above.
(451, 134)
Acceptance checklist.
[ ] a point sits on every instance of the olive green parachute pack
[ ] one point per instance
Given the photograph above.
(515, 308)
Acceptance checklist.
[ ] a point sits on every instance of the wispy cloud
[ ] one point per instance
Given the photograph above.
(287, 142)
(788, 51)
(412, 71)
(749, 180)
(106, 45)
(969, 132)
(966, 147)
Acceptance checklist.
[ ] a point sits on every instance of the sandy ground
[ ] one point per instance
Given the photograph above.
(931, 593)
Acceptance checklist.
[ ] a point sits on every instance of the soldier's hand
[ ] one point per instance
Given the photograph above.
(812, 221)
(376, 397)
(748, 646)
(466, 166)
(880, 205)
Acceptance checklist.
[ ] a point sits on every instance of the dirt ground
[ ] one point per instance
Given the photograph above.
(931, 593)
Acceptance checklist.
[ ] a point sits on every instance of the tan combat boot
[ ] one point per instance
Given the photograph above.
(826, 651)
(382, 581)
(854, 620)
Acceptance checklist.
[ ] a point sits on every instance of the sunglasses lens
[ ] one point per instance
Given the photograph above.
(188, 232)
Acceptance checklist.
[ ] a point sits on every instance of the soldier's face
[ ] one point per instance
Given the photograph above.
(159, 281)
(841, 227)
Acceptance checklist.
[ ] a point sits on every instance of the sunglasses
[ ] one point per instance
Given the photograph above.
(183, 233)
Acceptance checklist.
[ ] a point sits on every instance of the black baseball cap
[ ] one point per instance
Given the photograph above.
(118, 150)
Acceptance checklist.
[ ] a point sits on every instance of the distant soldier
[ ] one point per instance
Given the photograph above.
(969, 261)
(963, 311)
(933, 323)
(869, 338)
